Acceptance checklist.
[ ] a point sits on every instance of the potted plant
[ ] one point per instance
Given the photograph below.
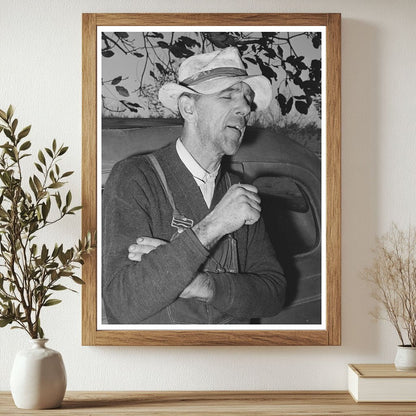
(31, 273)
(393, 277)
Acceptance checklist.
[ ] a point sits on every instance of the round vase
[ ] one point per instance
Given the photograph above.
(405, 358)
(38, 377)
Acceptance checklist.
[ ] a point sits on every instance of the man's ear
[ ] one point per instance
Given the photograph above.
(186, 105)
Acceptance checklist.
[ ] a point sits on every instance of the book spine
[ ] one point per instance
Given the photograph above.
(353, 381)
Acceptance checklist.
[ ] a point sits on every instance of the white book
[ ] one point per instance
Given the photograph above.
(381, 383)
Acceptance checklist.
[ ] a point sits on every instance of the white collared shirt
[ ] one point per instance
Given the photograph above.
(204, 179)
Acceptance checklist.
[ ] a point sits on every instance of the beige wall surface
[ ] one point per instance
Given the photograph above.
(40, 74)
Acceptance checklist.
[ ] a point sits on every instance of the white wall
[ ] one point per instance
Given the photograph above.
(40, 68)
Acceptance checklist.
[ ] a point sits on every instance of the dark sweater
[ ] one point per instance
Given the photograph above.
(135, 205)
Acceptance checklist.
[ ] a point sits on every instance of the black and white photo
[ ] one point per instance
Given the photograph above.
(215, 84)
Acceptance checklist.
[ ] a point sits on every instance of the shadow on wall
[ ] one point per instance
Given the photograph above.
(361, 60)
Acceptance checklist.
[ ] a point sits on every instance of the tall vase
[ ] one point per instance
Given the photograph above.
(38, 377)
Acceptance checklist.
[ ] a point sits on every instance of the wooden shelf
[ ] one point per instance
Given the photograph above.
(179, 403)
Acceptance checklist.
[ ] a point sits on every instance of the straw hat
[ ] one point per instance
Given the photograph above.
(208, 73)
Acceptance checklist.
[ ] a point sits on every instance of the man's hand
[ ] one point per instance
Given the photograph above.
(144, 245)
(202, 288)
(239, 206)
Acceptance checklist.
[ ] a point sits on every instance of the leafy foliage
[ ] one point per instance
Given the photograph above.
(30, 274)
(297, 82)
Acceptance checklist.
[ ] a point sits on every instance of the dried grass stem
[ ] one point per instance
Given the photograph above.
(393, 277)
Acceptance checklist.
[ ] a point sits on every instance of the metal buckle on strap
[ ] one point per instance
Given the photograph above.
(180, 222)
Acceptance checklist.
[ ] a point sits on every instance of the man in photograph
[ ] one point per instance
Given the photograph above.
(183, 240)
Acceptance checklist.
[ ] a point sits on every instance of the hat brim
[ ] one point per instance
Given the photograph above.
(170, 92)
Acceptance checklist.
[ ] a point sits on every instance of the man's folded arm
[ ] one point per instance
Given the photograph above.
(260, 290)
(134, 291)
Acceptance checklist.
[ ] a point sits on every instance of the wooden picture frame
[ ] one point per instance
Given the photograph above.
(331, 333)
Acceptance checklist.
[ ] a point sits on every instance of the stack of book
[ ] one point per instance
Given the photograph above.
(381, 383)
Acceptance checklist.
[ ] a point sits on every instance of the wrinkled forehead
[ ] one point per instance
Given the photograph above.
(240, 86)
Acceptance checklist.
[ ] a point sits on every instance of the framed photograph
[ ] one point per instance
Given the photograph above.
(211, 172)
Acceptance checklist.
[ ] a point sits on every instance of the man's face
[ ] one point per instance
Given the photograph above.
(222, 118)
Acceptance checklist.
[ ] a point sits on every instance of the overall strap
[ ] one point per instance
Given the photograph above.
(162, 179)
(178, 220)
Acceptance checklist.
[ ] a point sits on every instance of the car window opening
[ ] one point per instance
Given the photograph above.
(288, 215)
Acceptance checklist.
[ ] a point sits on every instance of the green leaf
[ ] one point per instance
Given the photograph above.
(77, 280)
(63, 150)
(40, 332)
(14, 125)
(72, 210)
(49, 152)
(67, 174)
(37, 183)
(59, 287)
(10, 112)
(68, 199)
(58, 199)
(39, 167)
(51, 302)
(3, 115)
(24, 132)
(34, 249)
(56, 185)
(5, 321)
(8, 133)
(55, 251)
(45, 210)
(62, 257)
(54, 145)
(25, 145)
(44, 253)
(41, 157)
(33, 187)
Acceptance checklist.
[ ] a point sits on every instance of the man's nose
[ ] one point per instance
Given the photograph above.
(243, 108)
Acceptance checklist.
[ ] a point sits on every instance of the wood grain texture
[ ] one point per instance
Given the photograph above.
(212, 338)
(89, 172)
(222, 19)
(380, 371)
(330, 336)
(212, 403)
(333, 177)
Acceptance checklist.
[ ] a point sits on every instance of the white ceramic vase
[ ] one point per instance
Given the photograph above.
(38, 377)
(405, 358)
